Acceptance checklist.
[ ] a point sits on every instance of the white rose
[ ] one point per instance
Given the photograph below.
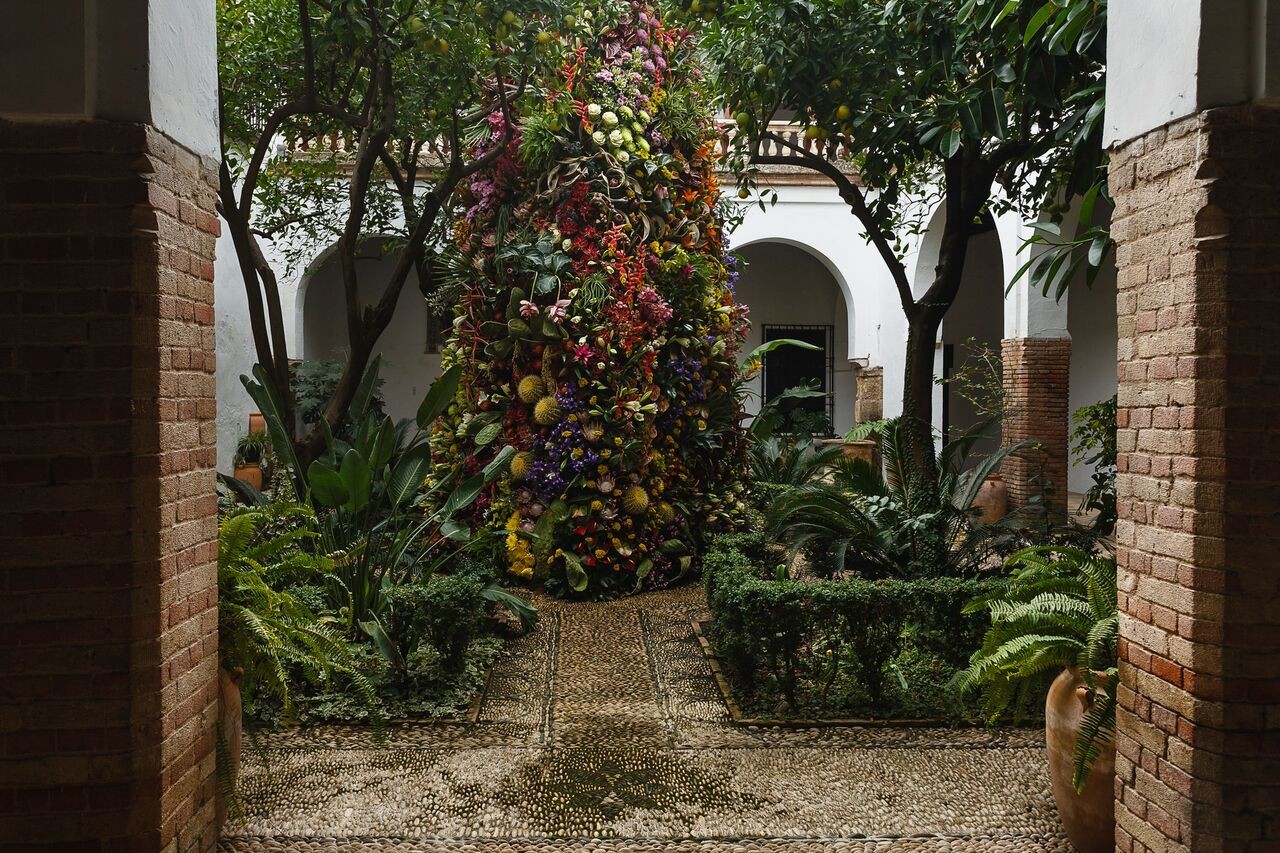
(567, 244)
(623, 156)
(615, 138)
(593, 110)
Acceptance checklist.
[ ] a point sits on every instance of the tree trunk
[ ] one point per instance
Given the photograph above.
(917, 395)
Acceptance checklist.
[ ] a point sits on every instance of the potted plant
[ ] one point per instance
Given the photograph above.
(266, 636)
(251, 456)
(1056, 618)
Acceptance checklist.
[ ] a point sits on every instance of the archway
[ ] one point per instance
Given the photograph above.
(410, 346)
(792, 293)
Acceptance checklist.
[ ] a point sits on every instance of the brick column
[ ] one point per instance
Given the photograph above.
(108, 629)
(869, 403)
(1199, 484)
(1037, 373)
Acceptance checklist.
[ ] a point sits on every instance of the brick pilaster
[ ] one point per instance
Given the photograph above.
(1199, 483)
(1037, 373)
(108, 630)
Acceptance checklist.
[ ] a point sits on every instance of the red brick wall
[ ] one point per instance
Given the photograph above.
(108, 629)
(1198, 228)
(1037, 373)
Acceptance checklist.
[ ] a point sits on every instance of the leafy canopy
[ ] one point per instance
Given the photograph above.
(911, 87)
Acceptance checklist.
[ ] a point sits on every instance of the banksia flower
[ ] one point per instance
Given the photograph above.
(547, 412)
(531, 389)
(666, 513)
(521, 465)
(635, 501)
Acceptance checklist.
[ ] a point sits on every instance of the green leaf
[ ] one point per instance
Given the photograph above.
(327, 487)
(517, 328)
(1098, 248)
(498, 466)
(463, 496)
(488, 434)
(439, 396)
(573, 572)
(1038, 20)
(950, 143)
(355, 476)
(384, 445)
(408, 474)
(374, 630)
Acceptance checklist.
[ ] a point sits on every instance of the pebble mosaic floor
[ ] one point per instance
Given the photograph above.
(603, 730)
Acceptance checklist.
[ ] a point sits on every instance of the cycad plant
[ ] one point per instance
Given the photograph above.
(889, 523)
(1057, 609)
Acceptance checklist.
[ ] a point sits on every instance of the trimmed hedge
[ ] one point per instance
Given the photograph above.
(773, 629)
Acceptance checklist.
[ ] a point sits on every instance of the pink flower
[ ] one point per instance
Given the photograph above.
(528, 309)
(559, 311)
(582, 353)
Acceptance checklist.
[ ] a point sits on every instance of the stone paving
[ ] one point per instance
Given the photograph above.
(603, 730)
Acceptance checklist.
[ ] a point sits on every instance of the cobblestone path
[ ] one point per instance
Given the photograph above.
(602, 730)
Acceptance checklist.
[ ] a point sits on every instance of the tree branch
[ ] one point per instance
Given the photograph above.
(853, 196)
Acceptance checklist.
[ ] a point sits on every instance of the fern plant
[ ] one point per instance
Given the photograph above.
(263, 628)
(1057, 609)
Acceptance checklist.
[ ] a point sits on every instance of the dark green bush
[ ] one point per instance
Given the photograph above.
(800, 637)
(446, 613)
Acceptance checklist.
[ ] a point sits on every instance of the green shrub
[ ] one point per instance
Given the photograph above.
(800, 637)
(446, 612)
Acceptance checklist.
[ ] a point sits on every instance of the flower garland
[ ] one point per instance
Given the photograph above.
(599, 335)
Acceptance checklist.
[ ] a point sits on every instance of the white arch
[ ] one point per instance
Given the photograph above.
(828, 264)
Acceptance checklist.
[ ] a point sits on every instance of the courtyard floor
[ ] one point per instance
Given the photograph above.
(603, 730)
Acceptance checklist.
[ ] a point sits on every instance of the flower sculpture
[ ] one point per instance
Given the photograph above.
(597, 329)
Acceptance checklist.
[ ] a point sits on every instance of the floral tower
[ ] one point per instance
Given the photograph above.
(597, 330)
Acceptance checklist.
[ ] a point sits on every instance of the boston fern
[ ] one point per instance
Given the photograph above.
(263, 627)
(1056, 610)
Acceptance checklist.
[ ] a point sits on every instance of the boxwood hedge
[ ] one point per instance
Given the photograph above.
(775, 632)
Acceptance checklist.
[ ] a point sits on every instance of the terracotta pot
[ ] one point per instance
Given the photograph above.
(992, 499)
(257, 423)
(1090, 817)
(231, 729)
(251, 473)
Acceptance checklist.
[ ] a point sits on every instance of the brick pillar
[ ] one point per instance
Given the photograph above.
(1037, 374)
(869, 403)
(1199, 484)
(108, 629)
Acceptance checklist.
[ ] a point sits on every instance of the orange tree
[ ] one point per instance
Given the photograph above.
(347, 119)
(973, 105)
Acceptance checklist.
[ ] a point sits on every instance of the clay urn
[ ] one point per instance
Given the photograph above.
(993, 499)
(1090, 816)
(230, 729)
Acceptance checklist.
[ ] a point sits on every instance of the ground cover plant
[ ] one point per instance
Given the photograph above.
(596, 327)
(371, 568)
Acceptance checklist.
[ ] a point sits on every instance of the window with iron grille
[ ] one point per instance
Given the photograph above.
(787, 367)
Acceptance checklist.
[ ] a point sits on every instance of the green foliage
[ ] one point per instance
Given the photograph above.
(884, 524)
(969, 79)
(445, 612)
(264, 628)
(253, 448)
(801, 639)
(1093, 440)
(1056, 609)
(314, 382)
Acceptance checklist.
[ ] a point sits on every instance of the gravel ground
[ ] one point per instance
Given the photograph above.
(603, 730)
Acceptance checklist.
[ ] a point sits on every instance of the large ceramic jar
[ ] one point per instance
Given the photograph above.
(1088, 817)
(231, 729)
(993, 499)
